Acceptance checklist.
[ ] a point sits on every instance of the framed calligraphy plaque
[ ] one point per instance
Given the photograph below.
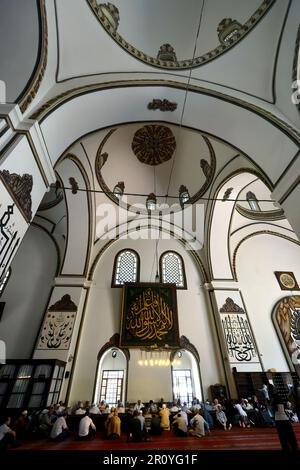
(149, 316)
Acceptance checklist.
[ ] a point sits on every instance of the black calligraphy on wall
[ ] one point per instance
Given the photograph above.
(57, 330)
(9, 239)
(238, 338)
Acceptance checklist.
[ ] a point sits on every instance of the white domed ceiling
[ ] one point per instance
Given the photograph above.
(178, 24)
(155, 158)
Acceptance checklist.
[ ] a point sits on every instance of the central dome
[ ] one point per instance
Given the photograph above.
(153, 144)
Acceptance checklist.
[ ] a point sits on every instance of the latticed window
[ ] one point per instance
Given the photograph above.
(112, 386)
(182, 385)
(126, 268)
(172, 269)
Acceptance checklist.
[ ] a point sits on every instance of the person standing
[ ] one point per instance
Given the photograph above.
(284, 428)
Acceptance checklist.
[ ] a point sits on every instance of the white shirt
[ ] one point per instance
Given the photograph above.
(84, 426)
(3, 430)
(240, 410)
(58, 427)
(94, 410)
(80, 411)
(181, 423)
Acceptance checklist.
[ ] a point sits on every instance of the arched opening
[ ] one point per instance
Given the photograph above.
(185, 377)
(111, 377)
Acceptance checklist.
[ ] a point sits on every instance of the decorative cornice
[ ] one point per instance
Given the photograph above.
(35, 83)
(113, 342)
(185, 343)
(65, 304)
(180, 64)
(41, 113)
(277, 214)
(162, 105)
(261, 232)
(231, 307)
(20, 188)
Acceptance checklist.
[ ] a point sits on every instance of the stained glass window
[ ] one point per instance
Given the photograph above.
(172, 269)
(126, 267)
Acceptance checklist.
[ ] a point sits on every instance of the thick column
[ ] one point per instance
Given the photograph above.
(60, 329)
(25, 175)
(236, 336)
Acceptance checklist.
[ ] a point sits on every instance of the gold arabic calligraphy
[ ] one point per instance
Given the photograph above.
(149, 317)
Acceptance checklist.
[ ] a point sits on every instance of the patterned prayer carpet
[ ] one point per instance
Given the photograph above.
(236, 439)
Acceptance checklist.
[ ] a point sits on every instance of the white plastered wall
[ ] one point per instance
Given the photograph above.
(102, 320)
(27, 292)
(257, 259)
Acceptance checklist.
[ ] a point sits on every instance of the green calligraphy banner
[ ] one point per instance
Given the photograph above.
(149, 316)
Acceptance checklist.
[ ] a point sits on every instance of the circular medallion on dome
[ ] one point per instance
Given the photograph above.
(153, 144)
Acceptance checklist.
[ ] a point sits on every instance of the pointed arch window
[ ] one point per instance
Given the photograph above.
(126, 268)
(172, 269)
(4, 280)
(252, 201)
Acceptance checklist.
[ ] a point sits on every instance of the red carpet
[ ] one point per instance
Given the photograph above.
(236, 439)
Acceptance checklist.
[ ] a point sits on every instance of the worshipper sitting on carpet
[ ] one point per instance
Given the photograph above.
(243, 417)
(94, 409)
(60, 431)
(221, 417)
(174, 408)
(80, 410)
(21, 425)
(102, 406)
(290, 413)
(165, 417)
(135, 428)
(114, 426)
(155, 427)
(179, 426)
(120, 407)
(87, 429)
(46, 421)
(198, 426)
(139, 405)
(152, 407)
(7, 435)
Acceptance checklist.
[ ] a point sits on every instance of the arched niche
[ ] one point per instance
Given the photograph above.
(115, 360)
(286, 318)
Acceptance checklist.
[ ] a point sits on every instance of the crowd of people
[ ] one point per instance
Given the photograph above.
(141, 421)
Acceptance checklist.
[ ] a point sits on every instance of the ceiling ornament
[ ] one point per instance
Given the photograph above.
(193, 198)
(227, 30)
(20, 188)
(167, 53)
(206, 167)
(108, 25)
(227, 194)
(162, 105)
(111, 14)
(153, 144)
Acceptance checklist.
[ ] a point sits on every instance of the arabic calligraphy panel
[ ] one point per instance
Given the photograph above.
(57, 330)
(238, 338)
(149, 316)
